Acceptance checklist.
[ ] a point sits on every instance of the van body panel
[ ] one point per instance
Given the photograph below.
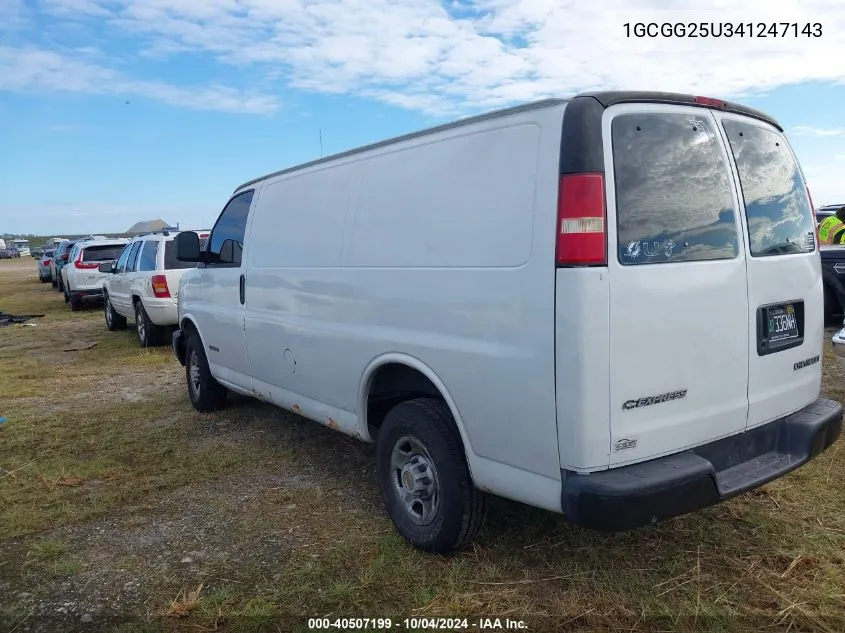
(221, 311)
(678, 329)
(582, 369)
(767, 173)
(438, 247)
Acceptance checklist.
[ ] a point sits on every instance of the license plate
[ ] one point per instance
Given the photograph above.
(781, 322)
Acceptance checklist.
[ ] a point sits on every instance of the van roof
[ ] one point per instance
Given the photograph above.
(536, 105)
(605, 99)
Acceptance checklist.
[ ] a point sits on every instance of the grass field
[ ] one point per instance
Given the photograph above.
(122, 509)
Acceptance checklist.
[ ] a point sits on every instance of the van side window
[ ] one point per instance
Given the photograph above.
(674, 201)
(227, 237)
(777, 207)
(124, 257)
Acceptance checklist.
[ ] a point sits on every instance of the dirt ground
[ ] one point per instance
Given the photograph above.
(122, 509)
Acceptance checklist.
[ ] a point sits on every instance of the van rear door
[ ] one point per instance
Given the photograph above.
(679, 311)
(785, 296)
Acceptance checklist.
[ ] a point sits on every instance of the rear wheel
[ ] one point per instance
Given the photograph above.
(149, 334)
(205, 392)
(424, 478)
(61, 284)
(114, 321)
(75, 302)
(832, 308)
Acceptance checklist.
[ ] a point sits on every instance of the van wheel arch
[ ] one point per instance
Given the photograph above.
(397, 378)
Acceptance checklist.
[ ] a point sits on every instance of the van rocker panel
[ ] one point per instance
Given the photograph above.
(632, 496)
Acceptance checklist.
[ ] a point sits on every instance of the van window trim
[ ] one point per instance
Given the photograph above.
(610, 113)
(204, 252)
(721, 116)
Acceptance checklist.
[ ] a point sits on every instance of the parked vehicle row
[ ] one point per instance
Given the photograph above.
(142, 284)
(134, 278)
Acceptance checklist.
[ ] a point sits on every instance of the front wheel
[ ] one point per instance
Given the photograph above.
(424, 478)
(114, 321)
(149, 334)
(205, 392)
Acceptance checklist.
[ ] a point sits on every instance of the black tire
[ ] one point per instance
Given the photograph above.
(43, 280)
(205, 393)
(149, 334)
(832, 308)
(53, 283)
(75, 303)
(61, 285)
(460, 509)
(114, 321)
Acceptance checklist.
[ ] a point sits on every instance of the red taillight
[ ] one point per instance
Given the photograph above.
(160, 288)
(47, 261)
(84, 265)
(710, 102)
(581, 220)
(63, 257)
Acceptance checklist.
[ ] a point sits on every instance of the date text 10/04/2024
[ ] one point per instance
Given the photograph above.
(723, 29)
(418, 624)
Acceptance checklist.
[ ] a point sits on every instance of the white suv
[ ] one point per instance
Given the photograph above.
(81, 278)
(608, 306)
(143, 285)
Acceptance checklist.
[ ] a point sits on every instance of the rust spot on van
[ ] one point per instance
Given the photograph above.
(332, 423)
(296, 408)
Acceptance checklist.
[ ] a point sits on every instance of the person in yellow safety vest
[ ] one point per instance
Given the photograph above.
(832, 228)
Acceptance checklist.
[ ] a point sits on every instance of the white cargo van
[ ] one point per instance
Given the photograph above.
(608, 307)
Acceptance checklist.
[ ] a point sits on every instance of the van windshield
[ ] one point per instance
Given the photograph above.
(777, 207)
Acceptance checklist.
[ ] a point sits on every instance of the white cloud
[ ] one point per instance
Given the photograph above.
(418, 54)
(809, 130)
(440, 58)
(35, 69)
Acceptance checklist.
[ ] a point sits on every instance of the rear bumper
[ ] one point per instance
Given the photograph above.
(633, 496)
(93, 294)
(162, 312)
(178, 342)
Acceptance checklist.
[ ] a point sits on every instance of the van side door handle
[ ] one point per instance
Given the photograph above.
(243, 289)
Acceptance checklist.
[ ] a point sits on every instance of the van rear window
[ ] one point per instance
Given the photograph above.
(777, 207)
(674, 201)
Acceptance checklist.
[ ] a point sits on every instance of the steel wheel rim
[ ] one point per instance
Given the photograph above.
(415, 481)
(194, 373)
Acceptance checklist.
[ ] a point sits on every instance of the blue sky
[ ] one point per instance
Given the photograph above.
(114, 111)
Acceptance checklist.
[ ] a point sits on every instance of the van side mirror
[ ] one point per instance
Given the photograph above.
(188, 247)
(106, 267)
